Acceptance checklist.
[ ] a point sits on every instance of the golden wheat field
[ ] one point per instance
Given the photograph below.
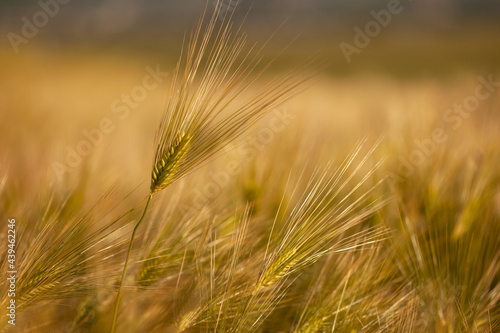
(227, 174)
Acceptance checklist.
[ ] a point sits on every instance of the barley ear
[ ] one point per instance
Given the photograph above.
(167, 162)
(281, 267)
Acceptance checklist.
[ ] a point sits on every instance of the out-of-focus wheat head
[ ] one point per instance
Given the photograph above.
(59, 254)
(312, 227)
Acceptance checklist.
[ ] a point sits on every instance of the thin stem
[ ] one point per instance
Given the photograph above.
(115, 316)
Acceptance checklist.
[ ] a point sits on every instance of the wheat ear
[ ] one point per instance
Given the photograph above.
(167, 163)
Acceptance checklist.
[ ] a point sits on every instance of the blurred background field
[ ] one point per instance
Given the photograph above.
(65, 80)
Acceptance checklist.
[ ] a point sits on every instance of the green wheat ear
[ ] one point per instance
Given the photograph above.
(167, 163)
